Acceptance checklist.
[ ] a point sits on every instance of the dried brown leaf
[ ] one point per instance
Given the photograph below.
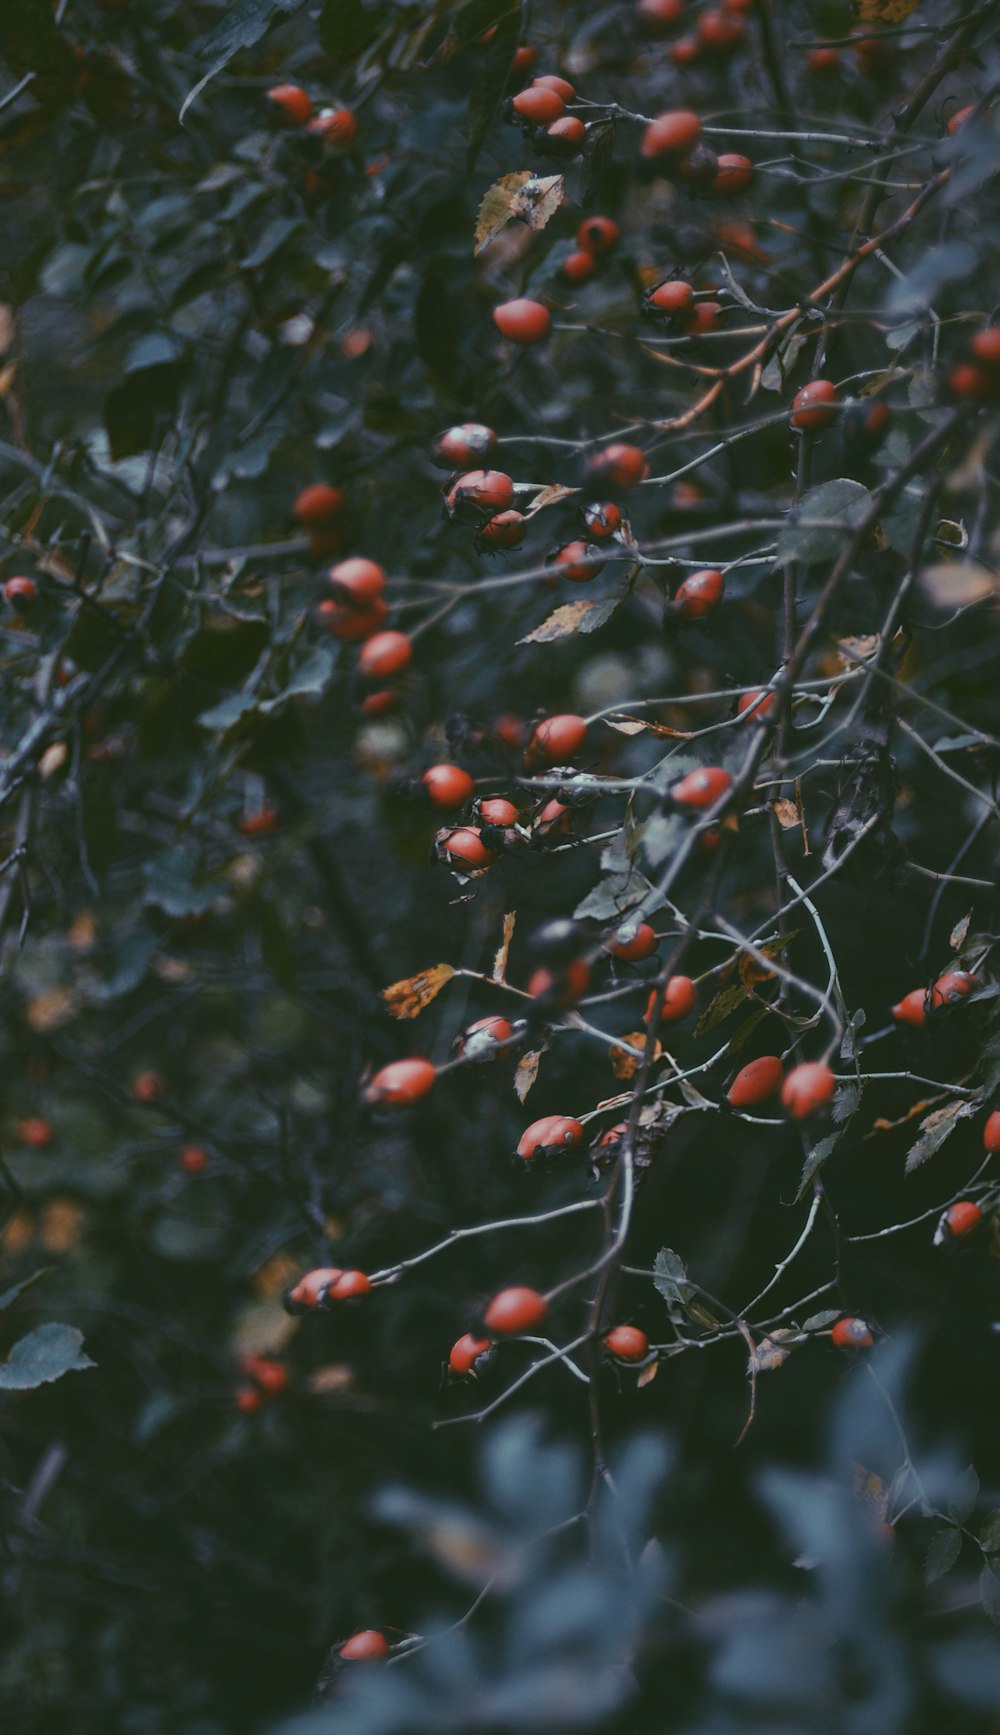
(625, 1065)
(561, 623)
(549, 496)
(786, 813)
(885, 11)
(647, 1374)
(527, 1072)
(500, 961)
(519, 197)
(405, 999)
(627, 725)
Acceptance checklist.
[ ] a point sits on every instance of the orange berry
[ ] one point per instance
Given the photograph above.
(912, 1009)
(553, 820)
(851, 1333)
(401, 1083)
(262, 823)
(335, 126)
(484, 1039)
(447, 786)
(352, 625)
(555, 740)
(968, 381)
(961, 1219)
(671, 134)
(627, 1343)
(701, 788)
(466, 1353)
(538, 105)
(524, 57)
(807, 1088)
(505, 530)
(686, 51)
(733, 175)
(271, 1376)
(720, 30)
(562, 987)
(515, 1310)
(815, 405)
(466, 847)
(310, 1290)
(497, 810)
(567, 135)
(479, 491)
(756, 1082)
(960, 117)
(757, 706)
(659, 17)
(706, 317)
(699, 594)
(552, 1132)
(953, 985)
(676, 999)
(148, 1087)
(248, 1399)
(193, 1159)
(552, 81)
(522, 321)
(316, 506)
(602, 519)
(291, 102)
(21, 594)
(365, 1647)
(674, 298)
(823, 60)
(384, 655)
(349, 1286)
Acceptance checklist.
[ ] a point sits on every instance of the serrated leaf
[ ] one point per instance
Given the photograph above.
(228, 712)
(670, 1279)
(46, 1354)
(989, 1591)
(963, 1494)
(989, 1535)
(406, 998)
(771, 1352)
(520, 197)
(943, 1550)
(612, 896)
(526, 1072)
(814, 1161)
(244, 23)
(938, 1126)
(569, 618)
(822, 521)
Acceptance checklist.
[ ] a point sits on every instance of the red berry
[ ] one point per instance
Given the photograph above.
(506, 530)
(539, 105)
(699, 594)
(447, 786)
(807, 1088)
(271, 1376)
(21, 593)
(553, 821)
(815, 405)
(952, 986)
(310, 1290)
(552, 81)
(706, 317)
(671, 134)
(850, 1333)
(733, 175)
(316, 506)
(756, 1082)
(193, 1159)
(676, 999)
(248, 1399)
(602, 519)
(378, 704)
(961, 1218)
(912, 1009)
(352, 625)
(384, 655)
(401, 1083)
(34, 1132)
(686, 51)
(552, 1132)
(466, 1353)
(967, 381)
(497, 810)
(263, 823)
(659, 17)
(613, 1136)
(148, 1087)
(349, 1286)
(357, 582)
(569, 133)
(720, 30)
(674, 298)
(467, 847)
(515, 1310)
(482, 1040)
(335, 126)
(562, 987)
(620, 463)
(702, 788)
(873, 53)
(291, 101)
(823, 60)
(522, 321)
(631, 943)
(960, 117)
(578, 268)
(991, 1133)
(479, 491)
(627, 1343)
(577, 562)
(757, 706)
(598, 235)
(366, 1647)
(555, 740)
(464, 446)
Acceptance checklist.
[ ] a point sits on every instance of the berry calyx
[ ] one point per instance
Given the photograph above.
(577, 562)
(627, 1343)
(368, 1646)
(357, 582)
(807, 1088)
(852, 1333)
(676, 999)
(468, 1355)
(384, 655)
(447, 786)
(632, 944)
(701, 788)
(756, 1082)
(463, 446)
(291, 102)
(672, 134)
(515, 1310)
(619, 463)
(815, 405)
(522, 321)
(401, 1083)
(467, 847)
(552, 1133)
(555, 740)
(539, 105)
(699, 594)
(598, 235)
(318, 505)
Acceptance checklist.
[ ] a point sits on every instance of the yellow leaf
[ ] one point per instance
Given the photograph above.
(519, 197)
(527, 1072)
(560, 623)
(885, 11)
(625, 1065)
(647, 1374)
(549, 496)
(786, 813)
(405, 999)
(500, 961)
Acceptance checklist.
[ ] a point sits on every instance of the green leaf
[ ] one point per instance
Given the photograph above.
(670, 1279)
(815, 1160)
(228, 712)
(823, 520)
(613, 896)
(989, 1535)
(820, 1321)
(11, 1295)
(661, 836)
(275, 237)
(244, 23)
(44, 1355)
(989, 1591)
(963, 1495)
(943, 1550)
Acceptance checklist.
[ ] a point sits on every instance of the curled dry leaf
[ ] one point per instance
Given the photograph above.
(771, 1352)
(519, 197)
(786, 813)
(568, 618)
(647, 1374)
(549, 496)
(626, 1065)
(627, 725)
(500, 961)
(405, 999)
(955, 584)
(527, 1072)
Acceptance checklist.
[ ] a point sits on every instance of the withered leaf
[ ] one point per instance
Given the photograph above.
(527, 1072)
(519, 197)
(885, 11)
(500, 961)
(405, 999)
(786, 813)
(938, 1126)
(771, 1352)
(626, 1065)
(568, 618)
(549, 496)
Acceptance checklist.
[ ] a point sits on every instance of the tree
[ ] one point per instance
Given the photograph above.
(498, 895)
